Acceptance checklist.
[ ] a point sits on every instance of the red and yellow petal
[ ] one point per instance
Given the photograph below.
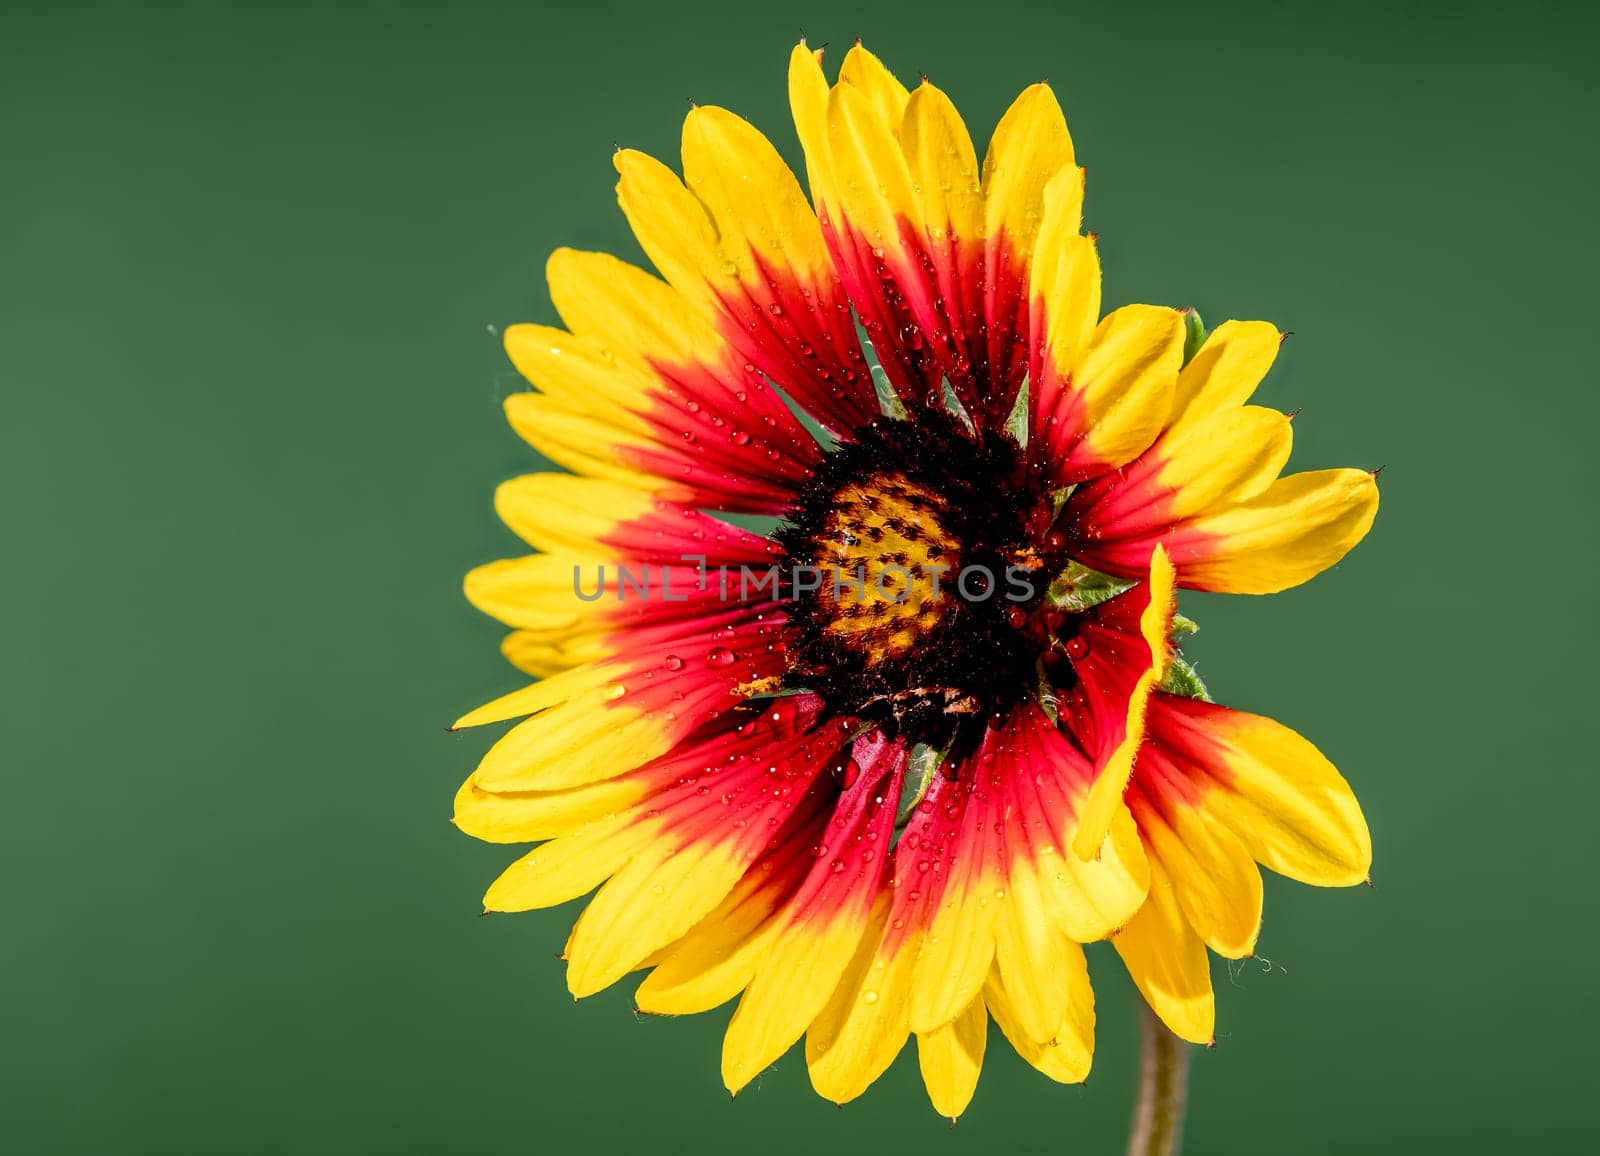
(643, 390)
(1030, 152)
(1216, 882)
(716, 822)
(1222, 458)
(823, 922)
(693, 832)
(596, 518)
(866, 1021)
(1098, 405)
(717, 959)
(979, 903)
(626, 570)
(868, 208)
(1272, 789)
(598, 721)
(1289, 533)
(1209, 491)
(984, 853)
(596, 828)
(1215, 791)
(947, 238)
(738, 238)
(1119, 655)
(933, 249)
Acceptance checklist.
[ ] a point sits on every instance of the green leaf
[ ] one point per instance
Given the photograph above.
(1017, 422)
(922, 765)
(953, 404)
(1078, 587)
(1048, 702)
(1183, 679)
(1194, 333)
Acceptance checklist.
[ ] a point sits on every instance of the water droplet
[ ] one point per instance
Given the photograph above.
(721, 656)
(672, 662)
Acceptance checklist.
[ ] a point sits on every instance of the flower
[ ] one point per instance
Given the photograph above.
(866, 771)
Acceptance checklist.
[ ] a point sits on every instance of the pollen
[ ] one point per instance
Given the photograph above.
(887, 556)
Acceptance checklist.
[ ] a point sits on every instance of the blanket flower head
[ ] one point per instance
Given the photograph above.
(855, 607)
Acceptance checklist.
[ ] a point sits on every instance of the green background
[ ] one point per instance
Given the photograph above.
(254, 258)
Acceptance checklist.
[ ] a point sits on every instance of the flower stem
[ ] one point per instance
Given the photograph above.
(1163, 1089)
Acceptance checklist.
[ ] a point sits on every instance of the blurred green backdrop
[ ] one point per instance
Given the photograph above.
(254, 261)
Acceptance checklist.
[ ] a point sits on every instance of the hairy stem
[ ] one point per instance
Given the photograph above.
(1163, 1089)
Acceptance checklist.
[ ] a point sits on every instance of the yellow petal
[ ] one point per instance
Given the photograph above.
(1168, 963)
(1289, 806)
(886, 96)
(955, 952)
(808, 102)
(944, 165)
(1032, 954)
(717, 959)
(579, 375)
(1290, 532)
(531, 593)
(864, 1024)
(672, 225)
(951, 1058)
(1064, 277)
(754, 201)
(530, 817)
(872, 185)
(1029, 147)
(536, 697)
(1214, 879)
(640, 319)
(560, 512)
(1066, 1055)
(1225, 372)
(1125, 378)
(794, 982)
(1229, 456)
(566, 868)
(580, 741)
(582, 443)
(651, 901)
(1095, 896)
(540, 655)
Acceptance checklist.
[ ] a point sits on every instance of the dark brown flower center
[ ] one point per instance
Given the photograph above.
(912, 555)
